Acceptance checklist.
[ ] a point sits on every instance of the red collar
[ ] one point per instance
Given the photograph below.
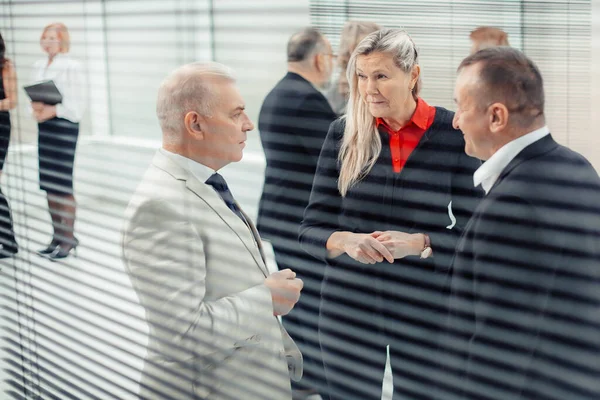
(420, 117)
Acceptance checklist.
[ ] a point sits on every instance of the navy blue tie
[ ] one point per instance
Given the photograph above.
(219, 184)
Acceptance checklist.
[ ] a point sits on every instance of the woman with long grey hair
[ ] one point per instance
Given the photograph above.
(392, 193)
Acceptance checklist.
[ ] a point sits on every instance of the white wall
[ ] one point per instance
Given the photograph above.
(144, 44)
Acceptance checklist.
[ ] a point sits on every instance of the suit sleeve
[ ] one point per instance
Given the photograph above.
(325, 204)
(166, 261)
(465, 198)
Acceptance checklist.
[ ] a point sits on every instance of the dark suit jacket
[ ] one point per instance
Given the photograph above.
(524, 319)
(293, 123)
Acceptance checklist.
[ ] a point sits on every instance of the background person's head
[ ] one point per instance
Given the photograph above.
(309, 54)
(487, 36)
(500, 96)
(55, 39)
(352, 34)
(384, 75)
(202, 114)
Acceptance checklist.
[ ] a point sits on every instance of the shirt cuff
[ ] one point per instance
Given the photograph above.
(63, 112)
(60, 111)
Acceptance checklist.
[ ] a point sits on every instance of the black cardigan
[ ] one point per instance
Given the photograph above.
(416, 200)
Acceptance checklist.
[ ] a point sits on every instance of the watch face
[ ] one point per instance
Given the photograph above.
(426, 253)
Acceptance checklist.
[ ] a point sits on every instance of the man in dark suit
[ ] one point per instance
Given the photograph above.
(293, 123)
(524, 308)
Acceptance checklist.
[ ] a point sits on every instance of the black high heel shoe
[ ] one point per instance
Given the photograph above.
(64, 250)
(50, 249)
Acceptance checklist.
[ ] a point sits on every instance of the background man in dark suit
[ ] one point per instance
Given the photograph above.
(293, 123)
(524, 319)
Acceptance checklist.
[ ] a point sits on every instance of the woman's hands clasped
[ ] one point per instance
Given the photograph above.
(371, 248)
(401, 244)
(365, 248)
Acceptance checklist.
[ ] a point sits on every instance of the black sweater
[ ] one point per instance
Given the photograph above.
(416, 200)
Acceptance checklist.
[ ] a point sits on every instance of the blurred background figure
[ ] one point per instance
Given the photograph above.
(392, 184)
(352, 33)
(293, 123)
(8, 101)
(58, 132)
(487, 36)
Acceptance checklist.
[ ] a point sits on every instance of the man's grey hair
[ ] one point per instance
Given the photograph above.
(188, 88)
(304, 44)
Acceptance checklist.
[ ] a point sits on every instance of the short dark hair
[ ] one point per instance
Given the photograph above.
(508, 76)
(303, 44)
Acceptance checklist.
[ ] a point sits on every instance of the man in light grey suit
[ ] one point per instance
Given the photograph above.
(195, 259)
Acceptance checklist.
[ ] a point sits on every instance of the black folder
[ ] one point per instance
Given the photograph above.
(44, 92)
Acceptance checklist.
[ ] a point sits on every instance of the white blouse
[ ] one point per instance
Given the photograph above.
(68, 77)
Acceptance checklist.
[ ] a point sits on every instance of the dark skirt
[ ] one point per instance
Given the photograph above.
(4, 136)
(56, 150)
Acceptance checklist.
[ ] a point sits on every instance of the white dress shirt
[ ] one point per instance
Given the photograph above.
(490, 171)
(69, 79)
(200, 171)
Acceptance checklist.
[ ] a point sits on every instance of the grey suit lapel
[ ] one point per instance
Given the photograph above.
(535, 149)
(254, 233)
(215, 202)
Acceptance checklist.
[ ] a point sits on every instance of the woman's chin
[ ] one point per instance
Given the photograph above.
(377, 112)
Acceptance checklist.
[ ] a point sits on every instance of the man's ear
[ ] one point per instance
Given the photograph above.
(498, 117)
(319, 62)
(194, 124)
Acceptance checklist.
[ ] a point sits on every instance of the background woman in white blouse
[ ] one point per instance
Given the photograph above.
(58, 132)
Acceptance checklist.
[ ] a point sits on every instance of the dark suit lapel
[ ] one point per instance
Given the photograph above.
(535, 149)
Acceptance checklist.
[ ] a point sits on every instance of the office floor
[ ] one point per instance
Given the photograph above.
(77, 323)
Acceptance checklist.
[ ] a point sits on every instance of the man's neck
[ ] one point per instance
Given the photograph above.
(516, 133)
(304, 72)
(183, 151)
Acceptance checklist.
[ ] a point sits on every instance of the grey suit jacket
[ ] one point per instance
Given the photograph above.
(199, 273)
